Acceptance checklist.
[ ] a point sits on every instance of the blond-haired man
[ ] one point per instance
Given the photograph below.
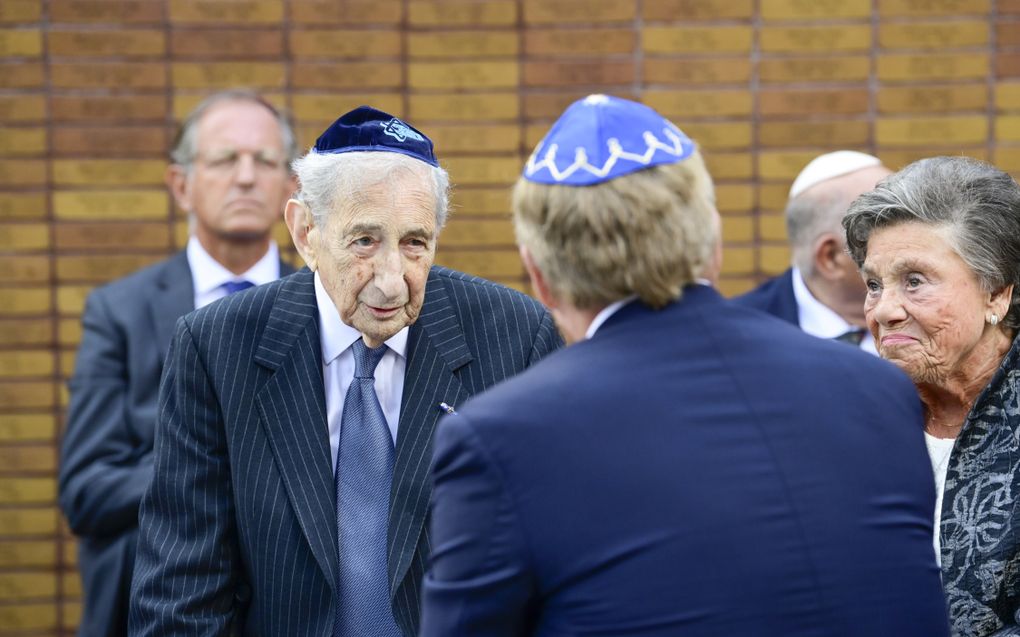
(683, 468)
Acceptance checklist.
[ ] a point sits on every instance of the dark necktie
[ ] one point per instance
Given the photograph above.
(364, 470)
(853, 337)
(237, 286)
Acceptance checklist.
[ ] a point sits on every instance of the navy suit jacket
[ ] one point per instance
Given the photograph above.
(774, 296)
(698, 471)
(238, 530)
(106, 451)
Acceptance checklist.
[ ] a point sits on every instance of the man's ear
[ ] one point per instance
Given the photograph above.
(303, 231)
(538, 282)
(829, 255)
(176, 178)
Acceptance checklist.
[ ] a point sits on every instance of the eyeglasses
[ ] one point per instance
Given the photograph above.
(228, 160)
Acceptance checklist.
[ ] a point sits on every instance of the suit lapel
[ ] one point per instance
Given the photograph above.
(292, 405)
(436, 350)
(174, 297)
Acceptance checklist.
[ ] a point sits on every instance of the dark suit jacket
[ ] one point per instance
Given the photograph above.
(774, 296)
(699, 471)
(106, 452)
(240, 524)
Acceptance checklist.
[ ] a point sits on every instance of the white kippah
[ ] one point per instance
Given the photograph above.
(829, 166)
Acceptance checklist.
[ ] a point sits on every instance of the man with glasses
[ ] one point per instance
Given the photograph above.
(230, 171)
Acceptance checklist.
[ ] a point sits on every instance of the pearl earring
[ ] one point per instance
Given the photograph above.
(993, 320)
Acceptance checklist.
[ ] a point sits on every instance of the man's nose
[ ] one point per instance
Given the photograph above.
(389, 274)
(245, 170)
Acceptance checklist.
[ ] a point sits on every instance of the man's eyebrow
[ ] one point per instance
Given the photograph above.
(364, 228)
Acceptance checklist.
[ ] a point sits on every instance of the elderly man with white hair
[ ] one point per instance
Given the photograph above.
(291, 481)
(822, 292)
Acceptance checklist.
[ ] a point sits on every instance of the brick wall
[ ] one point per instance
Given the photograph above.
(90, 91)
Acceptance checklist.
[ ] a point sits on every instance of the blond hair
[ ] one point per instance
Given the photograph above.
(648, 233)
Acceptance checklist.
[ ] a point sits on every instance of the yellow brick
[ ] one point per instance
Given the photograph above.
(326, 108)
(22, 108)
(22, 141)
(714, 40)
(1007, 97)
(560, 11)
(815, 69)
(207, 75)
(233, 12)
(933, 35)
(22, 205)
(348, 75)
(71, 584)
(773, 260)
(491, 264)
(22, 458)
(814, 9)
(684, 10)
(772, 227)
(463, 75)
(734, 198)
(135, 42)
(712, 136)
(900, 157)
(17, 301)
(373, 12)
(783, 165)
(71, 298)
(830, 134)
(25, 269)
(108, 172)
(729, 165)
(1007, 128)
(481, 201)
(24, 236)
(578, 41)
(737, 260)
(468, 107)
(344, 43)
(921, 131)
(837, 39)
(29, 616)
(20, 42)
(100, 267)
(22, 172)
(25, 363)
(67, 358)
(69, 330)
(681, 105)
(449, 13)
(925, 8)
(461, 44)
(20, 11)
(28, 522)
(474, 138)
(732, 286)
(912, 68)
(22, 74)
(478, 233)
(483, 170)
(706, 71)
(26, 491)
(27, 554)
(27, 585)
(1007, 159)
(772, 196)
(111, 204)
(738, 229)
(921, 99)
(112, 75)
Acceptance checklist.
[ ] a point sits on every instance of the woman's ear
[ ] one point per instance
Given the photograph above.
(303, 231)
(1000, 301)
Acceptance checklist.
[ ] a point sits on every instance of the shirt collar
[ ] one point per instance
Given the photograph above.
(335, 336)
(209, 274)
(604, 315)
(814, 317)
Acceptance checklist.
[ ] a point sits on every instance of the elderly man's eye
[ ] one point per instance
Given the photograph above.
(363, 242)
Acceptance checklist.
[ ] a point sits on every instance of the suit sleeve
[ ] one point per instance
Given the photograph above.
(479, 583)
(187, 561)
(547, 339)
(103, 470)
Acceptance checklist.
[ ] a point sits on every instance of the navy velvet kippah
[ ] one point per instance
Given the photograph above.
(369, 129)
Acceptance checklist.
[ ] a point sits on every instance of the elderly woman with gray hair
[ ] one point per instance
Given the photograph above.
(938, 244)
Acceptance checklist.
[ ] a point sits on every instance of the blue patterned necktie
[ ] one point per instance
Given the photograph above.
(237, 286)
(364, 470)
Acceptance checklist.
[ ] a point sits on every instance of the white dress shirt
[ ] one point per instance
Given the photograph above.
(208, 275)
(817, 319)
(336, 338)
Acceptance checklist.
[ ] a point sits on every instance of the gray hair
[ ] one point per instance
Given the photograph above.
(186, 142)
(808, 216)
(978, 203)
(326, 178)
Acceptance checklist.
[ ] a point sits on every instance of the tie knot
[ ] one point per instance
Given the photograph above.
(237, 286)
(366, 359)
(853, 337)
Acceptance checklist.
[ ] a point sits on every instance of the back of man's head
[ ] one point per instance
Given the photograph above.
(820, 196)
(615, 202)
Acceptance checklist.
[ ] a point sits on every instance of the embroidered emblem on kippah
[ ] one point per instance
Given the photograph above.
(400, 131)
(673, 145)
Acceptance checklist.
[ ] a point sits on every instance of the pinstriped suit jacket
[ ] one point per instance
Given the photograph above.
(238, 530)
